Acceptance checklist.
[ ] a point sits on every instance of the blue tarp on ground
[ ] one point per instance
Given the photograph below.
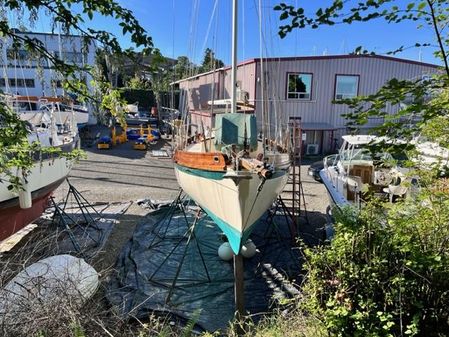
(149, 263)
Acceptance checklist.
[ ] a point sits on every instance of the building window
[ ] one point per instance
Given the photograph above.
(24, 58)
(20, 82)
(346, 86)
(56, 83)
(299, 86)
(71, 57)
(19, 55)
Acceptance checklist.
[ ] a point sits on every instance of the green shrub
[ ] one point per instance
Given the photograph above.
(386, 271)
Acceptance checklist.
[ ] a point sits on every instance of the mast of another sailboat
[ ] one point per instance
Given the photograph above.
(234, 57)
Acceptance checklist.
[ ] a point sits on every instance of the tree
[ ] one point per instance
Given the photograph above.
(69, 17)
(183, 68)
(210, 62)
(417, 92)
(138, 82)
(385, 271)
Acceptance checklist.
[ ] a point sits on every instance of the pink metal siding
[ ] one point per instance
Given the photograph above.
(199, 89)
(373, 72)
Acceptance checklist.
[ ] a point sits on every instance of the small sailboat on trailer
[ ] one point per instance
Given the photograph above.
(233, 176)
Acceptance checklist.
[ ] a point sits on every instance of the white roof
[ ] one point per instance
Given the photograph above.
(359, 139)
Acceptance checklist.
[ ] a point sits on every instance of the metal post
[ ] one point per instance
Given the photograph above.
(239, 287)
(234, 58)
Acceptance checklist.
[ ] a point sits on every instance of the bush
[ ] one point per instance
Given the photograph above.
(386, 272)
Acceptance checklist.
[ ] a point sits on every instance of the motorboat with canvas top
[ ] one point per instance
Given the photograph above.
(353, 175)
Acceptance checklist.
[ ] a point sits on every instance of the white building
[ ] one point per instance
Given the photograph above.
(25, 74)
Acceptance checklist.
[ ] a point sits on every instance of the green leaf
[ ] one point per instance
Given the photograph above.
(422, 5)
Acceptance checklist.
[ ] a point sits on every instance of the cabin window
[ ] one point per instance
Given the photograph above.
(346, 86)
(299, 86)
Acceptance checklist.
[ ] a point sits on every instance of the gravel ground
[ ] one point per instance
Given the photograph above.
(123, 174)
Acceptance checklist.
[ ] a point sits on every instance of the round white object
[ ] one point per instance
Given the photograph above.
(49, 279)
(248, 249)
(225, 251)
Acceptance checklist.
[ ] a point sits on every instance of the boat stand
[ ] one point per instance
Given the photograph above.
(274, 233)
(85, 221)
(161, 234)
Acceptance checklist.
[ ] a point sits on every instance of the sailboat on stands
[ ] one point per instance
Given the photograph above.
(20, 207)
(233, 176)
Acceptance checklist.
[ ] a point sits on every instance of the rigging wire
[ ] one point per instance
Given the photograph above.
(172, 100)
(214, 43)
(273, 84)
(209, 25)
(265, 132)
(190, 53)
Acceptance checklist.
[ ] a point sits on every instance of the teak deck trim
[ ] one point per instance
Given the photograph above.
(210, 161)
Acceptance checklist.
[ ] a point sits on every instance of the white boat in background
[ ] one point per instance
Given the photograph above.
(232, 176)
(33, 107)
(352, 176)
(430, 153)
(19, 208)
(65, 112)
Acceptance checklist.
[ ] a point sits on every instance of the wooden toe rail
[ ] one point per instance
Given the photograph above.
(209, 161)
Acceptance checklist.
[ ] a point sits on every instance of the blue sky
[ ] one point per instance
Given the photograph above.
(186, 27)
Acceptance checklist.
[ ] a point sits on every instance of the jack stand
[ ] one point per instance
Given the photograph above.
(161, 231)
(273, 232)
(69, 222)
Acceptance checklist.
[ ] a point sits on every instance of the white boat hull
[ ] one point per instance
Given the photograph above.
(234, 204)
(17, 209)
(334, 187)
(41, 174)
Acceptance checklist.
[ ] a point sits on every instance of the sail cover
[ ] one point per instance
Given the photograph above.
(230, 129)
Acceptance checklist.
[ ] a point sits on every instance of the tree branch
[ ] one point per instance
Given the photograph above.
(437, 32)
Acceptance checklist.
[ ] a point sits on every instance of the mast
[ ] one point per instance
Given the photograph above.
(239, 279)
(234, 57)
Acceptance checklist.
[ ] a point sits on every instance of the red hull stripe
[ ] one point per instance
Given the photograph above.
(13, 218)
